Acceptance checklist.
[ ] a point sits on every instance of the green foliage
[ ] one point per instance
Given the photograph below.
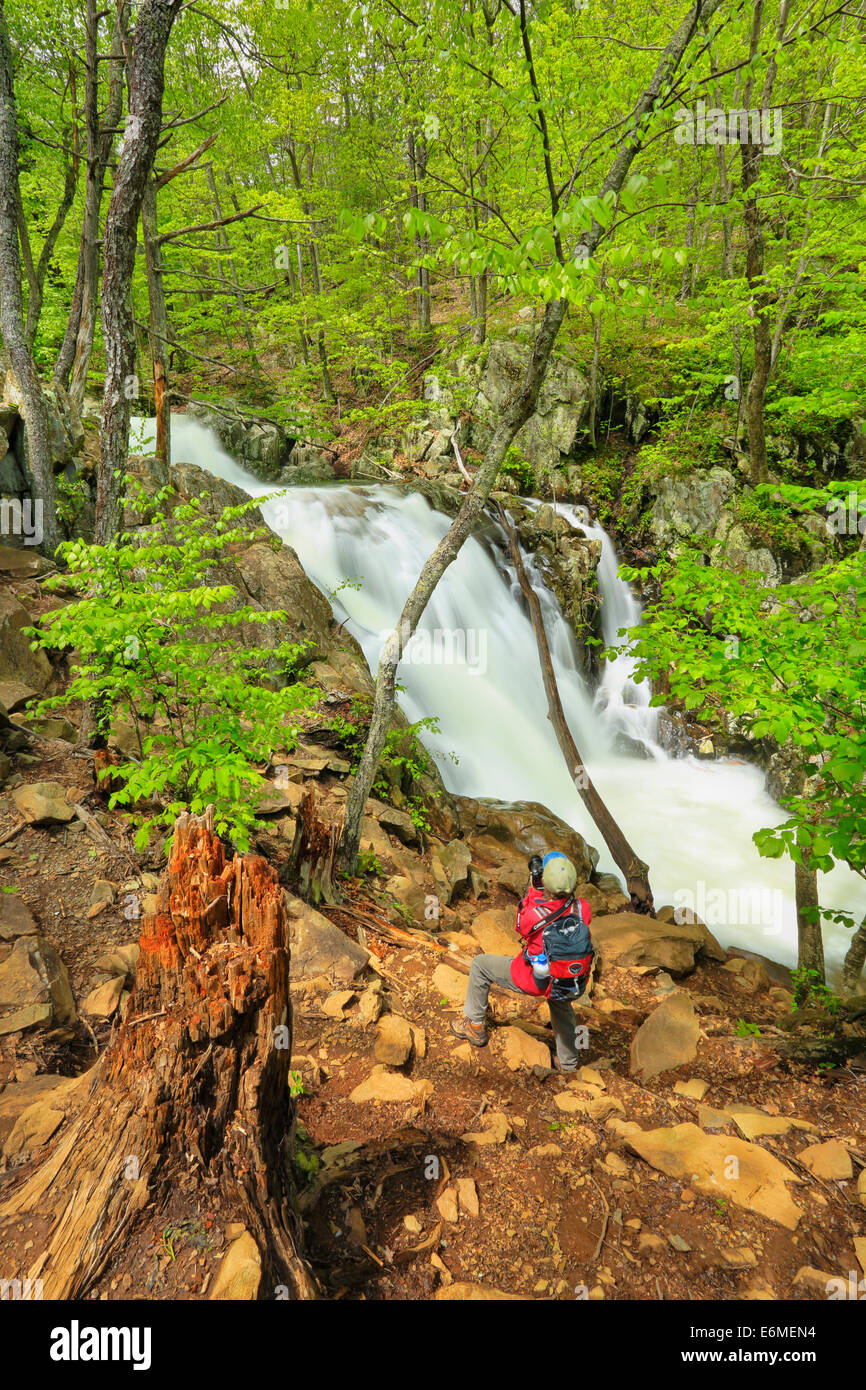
(516, 466)
(369, 862)
(157, 643)
(811, 992)
(746, 1030)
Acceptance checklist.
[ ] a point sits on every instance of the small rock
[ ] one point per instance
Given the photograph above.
(496, 1130)
(370, 1005)
(521, 1050)
(450, 983)
(475, 1293)
(102, 1001)
(695, 1089)
(546, 1151)
(240, 1273)
(815, 1281)
(467, 1196)
(830, 1160)
(103, 892)
(394, 1041)
(446, 1205)
(413, 1225)
(387, 1087)
(336, 1004)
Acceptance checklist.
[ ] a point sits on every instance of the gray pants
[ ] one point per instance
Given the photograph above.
(496, 970)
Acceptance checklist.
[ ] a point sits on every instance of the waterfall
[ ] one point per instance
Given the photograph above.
(473, 665)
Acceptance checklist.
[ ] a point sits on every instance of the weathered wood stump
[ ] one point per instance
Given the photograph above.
(312, 864)
(194, 1086)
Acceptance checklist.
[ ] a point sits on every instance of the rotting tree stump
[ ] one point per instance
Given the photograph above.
(193, 1089)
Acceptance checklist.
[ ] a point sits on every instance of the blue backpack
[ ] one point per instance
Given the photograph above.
(569, 950)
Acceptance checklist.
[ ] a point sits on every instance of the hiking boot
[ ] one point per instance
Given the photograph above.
(557, 1066)
(474, 1033)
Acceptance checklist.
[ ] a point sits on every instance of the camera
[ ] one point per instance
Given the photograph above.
(536, 867)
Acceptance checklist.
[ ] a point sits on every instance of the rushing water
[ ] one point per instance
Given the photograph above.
(474, 666)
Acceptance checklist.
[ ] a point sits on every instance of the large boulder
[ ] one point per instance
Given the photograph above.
(561, 411)
(509, 832)
(494, 931)
(450, 866)
(34, 987)
(667, 1039)
(18, 662)
(757, 1180)
(630, 939)
(320, 948)
(689, 504)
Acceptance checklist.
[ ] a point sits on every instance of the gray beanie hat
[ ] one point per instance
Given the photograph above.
(559, 876)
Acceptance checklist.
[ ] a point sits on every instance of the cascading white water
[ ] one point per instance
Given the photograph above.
(474, 666)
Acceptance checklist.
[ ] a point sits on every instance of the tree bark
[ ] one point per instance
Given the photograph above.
(514, 414)
(635, 870)
(158, 328)
(77, 345)
(194, 1089)
(810, 944)
(855, 958)
(12, 307)
(143, 125)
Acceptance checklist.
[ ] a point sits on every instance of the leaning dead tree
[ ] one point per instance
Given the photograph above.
(195, 1086)
(512, 417)
(635, 870)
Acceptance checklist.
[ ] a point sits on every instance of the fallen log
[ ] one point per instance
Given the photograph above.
(193, 1089)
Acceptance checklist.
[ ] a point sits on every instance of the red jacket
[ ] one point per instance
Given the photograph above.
(532, 912)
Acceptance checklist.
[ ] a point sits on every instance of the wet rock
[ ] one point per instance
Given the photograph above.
(668, 1038)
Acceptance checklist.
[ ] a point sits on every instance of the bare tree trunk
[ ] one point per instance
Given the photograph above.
(855, 958)
(98, 154)
(223, 241)
(143, 125)
(158, 329)
(514, 413)
(36, 273)
(635, 870)
(12, 306)
(762, 296)
(810, 944)
(195, 1087)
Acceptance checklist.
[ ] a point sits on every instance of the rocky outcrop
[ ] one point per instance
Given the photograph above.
(268, 450)
(568, 560)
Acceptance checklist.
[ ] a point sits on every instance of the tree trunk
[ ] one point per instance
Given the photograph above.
(12, 309)
(223, 241)
(635, 870)
(36, 273)
(78, 342)
(194, 1089)
(514, 413)
(810, 944)
(312, 863)
(158, 330)
(854, 960)
(143, 125)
